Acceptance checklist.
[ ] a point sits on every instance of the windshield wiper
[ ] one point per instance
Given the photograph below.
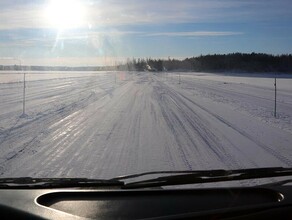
(205, 176)
(44, 183)
(177, 178)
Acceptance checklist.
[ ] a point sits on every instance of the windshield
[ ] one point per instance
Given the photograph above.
(104, 88)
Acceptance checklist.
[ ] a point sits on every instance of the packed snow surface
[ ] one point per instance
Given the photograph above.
(106, 124)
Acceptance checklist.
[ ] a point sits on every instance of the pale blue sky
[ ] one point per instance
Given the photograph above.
(112, 30)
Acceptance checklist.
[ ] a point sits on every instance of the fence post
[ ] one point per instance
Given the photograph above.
(275, 85)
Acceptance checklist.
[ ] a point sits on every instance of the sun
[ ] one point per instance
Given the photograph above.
(65, 14)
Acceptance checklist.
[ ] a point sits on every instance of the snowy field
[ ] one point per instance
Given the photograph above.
(104, 124)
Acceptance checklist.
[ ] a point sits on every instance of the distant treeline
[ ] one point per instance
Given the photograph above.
(56, 68)
(242, 62)
(239, 62)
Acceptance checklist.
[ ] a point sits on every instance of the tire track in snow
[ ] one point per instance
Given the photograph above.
(20, 132)
(199, 127)
(216, 89)
(170, 123)
(75, 146)
(258, 107)
(268, 149)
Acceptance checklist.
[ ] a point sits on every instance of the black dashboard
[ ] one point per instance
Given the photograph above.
(76, 203)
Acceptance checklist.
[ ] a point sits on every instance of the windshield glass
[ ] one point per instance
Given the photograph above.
(104, 88)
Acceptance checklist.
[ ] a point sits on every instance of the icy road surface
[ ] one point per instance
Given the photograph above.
(104, 124)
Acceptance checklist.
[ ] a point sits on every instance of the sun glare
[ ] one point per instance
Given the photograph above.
(65, 14)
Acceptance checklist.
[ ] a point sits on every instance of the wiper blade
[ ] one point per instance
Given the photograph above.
(178, 178)
(204, 176)
(43, 183)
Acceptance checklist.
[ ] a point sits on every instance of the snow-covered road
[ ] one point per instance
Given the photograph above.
(101, 125)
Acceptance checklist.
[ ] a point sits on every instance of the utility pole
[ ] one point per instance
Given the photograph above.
(275, 108)
(23, 115)
(24, 88)
(23, 94)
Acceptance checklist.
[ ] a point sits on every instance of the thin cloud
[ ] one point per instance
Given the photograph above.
(14, 40)
(27, 44)
(196, 34)
(96, 34)
(22, 16)
(128, 12)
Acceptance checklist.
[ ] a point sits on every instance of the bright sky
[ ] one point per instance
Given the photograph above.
(104, 32)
